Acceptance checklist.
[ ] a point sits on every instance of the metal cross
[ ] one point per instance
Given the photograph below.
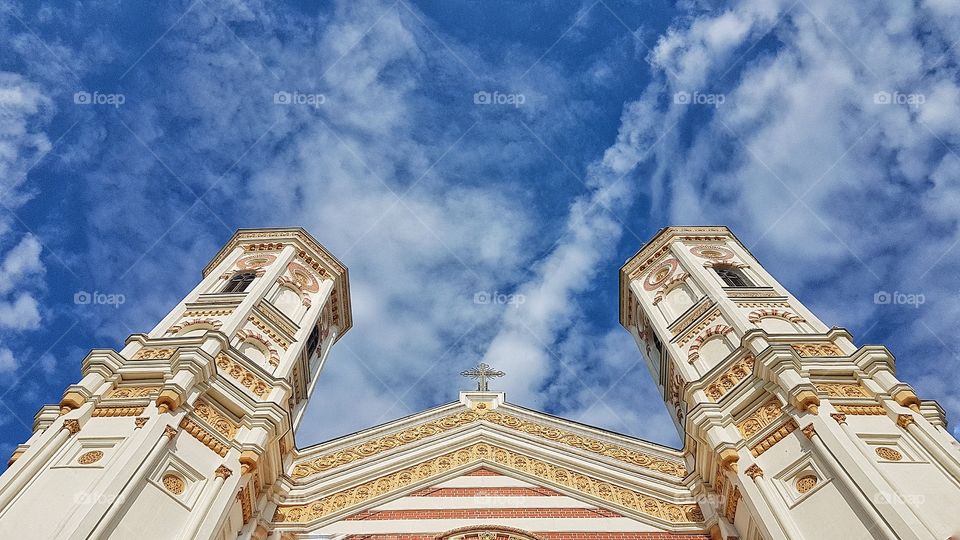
(482, 373)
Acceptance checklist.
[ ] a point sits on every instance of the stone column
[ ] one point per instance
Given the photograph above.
(35, 462)
(130, 488)
(202, 507)
(774, 502)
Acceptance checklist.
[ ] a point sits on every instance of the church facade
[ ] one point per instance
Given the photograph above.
(790, 430)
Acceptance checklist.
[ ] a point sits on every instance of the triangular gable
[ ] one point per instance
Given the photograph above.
(382, 440)
(367, 494)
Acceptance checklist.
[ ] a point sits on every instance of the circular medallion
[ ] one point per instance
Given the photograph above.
(888, 453)
(90, 457)
(660, 274)
(714, 253)
(806, 482)
(173, 483)
(255, 262)
(303, 277)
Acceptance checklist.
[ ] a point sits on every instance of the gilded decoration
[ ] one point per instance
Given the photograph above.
(351, 497)
(131, 392)
(862, 410)
(904, 420)
(215, 419)
(140, 422)
(208, 439)
(246, 508)
(805, 483)
(153, 354)
(732, 501)
(854, 390)
(753, 471)
(789, 427)
(243, 375)
(173, 483)
(72, 425)
(456, 420)
(817, 349)
(889, 454)
(761, 418)
(117, 411)
(739, 371)
(89, 458)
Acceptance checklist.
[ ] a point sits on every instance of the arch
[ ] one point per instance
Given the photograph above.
(718, 331)
(288, 300)
(483, 532)
(758, 314)
(263, 344)
(208, 324)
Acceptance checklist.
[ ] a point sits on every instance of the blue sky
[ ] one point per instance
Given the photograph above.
(445, 150)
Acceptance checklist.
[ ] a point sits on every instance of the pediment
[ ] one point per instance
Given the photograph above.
(631, 478)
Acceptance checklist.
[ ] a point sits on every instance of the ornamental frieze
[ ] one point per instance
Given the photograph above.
(761, 418)
(153, 354)
(817, 349)
(842, 389)
(357, 495)
(215, 418)
(454, 421)
(131, 392)
(243, 376)
(739, 371)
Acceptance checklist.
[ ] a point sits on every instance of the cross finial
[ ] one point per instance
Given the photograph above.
(482, 373)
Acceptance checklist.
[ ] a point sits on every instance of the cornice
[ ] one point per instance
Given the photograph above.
(307, 246)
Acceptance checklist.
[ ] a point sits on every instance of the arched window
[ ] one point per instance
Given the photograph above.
(313, 341)
(239, 282)
(732, 277)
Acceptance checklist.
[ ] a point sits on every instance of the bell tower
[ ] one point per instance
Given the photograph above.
(184, 432)
(791, 430)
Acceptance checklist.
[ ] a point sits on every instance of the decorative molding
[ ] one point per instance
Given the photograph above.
(712, 252)
(687, 320)
(212, 323)
(670, 285)
(243, 376)
(755, 304)
(753, 292)
(753, 471)
(861, 410)
(73, 426)
(826, 349)
(787, 428)
(732, 501)
(207, 312)
(739, 371)
(887, 453)
(223, 472)
(756, 316)
(131, 392)
(719, 330)
(659, 275)
(255, 262)
(483, 452)
(246, 508)
(839, 417)
(117, 411)
(272, 356)
(690, 334)
(173, 483)
(761, 418)
(93, 456)
(140, 422)
(153, 354)
(904, 420)
(390, 442)
(303, 278)
(215, 419)
(270, 332)
(805, 483)
(204, 436)
(854, 390)
(809, 431)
